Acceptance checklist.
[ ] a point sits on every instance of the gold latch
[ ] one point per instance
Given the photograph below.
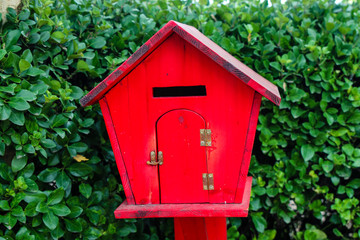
(208, 181)
(205, 137)
(153, 161)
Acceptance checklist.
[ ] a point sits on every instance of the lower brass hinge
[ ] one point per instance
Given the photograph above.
(208, 181)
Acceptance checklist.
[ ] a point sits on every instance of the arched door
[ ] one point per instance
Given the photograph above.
(184, 160)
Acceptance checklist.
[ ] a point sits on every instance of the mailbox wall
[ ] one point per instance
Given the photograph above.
(132, 111)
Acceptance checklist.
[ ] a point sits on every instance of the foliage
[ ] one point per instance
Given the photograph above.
(58, 178)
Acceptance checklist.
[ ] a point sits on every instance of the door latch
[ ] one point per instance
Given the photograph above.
(153, 161)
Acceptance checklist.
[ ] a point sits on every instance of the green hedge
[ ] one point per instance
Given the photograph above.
(58, 177)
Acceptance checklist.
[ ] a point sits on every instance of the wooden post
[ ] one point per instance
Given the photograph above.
(200, 228)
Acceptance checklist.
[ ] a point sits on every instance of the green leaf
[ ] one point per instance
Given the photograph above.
(2, 148)
(42, 207)
(339, 132)
(30, 209)
(59, 120)
(8, 89)
(34, 38)
(268, 235)
(75, 211)
(209, 28)
(4, 205)
(79, 169)
(18, 104)
(276, 65)
(24, 14)
(58, 232)
(76, 92)
(28, 148)
(12, 37)
(79, 147)
(33, 72)
(63, 180)
(259, 222)
(48, 175)
(24, 65)
(48, 143)
(18, 163)
(355, 183)
(56, 196)
(314, 234)
(329, 26)
(85, 190)
(73, 225)
(50, 220)
(82, 66)
(348, 149)
(97, 42)
(228, 17)
(307, 152)
(35, 197)
(17, 118)
(26, 95)
(327, 166)
(16, 138)
(27, 55)
(354, 118)
(58, 36)
(60, 210)
(2, 53)
(9, 220)
(5, 112)
(18, 212)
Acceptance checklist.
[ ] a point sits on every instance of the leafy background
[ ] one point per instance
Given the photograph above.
(58, 177)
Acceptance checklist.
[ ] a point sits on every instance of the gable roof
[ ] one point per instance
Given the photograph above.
(203, 44)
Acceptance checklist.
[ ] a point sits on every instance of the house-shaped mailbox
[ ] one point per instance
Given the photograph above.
(181, 114)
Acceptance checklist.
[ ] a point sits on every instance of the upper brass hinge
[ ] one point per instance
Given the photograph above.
(205, 137)
(208, 181)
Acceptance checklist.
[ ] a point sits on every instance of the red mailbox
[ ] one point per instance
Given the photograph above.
(181, 114)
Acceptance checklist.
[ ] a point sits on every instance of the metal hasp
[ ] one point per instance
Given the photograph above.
(205, 137)
(208, 181)
(153, 161)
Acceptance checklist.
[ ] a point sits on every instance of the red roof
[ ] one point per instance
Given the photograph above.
(203, 44)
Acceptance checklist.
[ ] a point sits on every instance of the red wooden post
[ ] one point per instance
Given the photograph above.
(201, 228)
(181, 114)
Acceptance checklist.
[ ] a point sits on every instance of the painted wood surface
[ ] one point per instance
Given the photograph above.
(184, 162)
(245, 163)
(202, 43)
(117, 151)
(226, 108)
(187, 210)
(192, 228)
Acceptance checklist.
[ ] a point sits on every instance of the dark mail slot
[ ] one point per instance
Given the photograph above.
(181, 91)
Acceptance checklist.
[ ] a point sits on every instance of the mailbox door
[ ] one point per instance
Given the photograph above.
(184, 160)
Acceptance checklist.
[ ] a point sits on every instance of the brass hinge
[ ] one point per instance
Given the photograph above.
(208, 181)
(205, 137)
